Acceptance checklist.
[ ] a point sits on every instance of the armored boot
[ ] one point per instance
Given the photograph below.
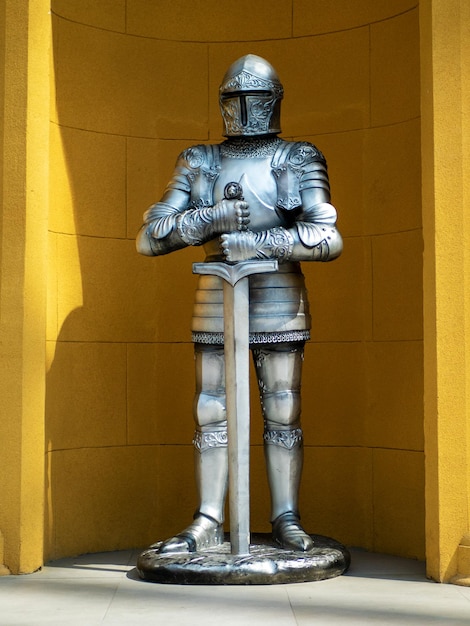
(284, 458)
(211, 469)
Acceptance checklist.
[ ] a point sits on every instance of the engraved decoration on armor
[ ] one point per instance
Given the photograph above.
(288, 202)
(199, 203)
(258, 117)
(211, 174)
(278, 171)
(194, 156)
(280, 244)
(259, 356)
(205, 441)
(191, 227)
(283, 170)
(245, 81)
(284, 438)
(305, 152)
(260, 113)
(288, 197)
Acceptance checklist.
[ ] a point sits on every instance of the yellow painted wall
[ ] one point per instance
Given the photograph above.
(134, 83)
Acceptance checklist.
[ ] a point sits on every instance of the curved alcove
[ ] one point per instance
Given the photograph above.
(136, 82)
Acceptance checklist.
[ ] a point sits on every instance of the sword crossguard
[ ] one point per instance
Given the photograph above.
(233, 273)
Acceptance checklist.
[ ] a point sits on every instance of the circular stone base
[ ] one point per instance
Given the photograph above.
(265, 565)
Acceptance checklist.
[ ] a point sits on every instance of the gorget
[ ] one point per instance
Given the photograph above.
(250, 147)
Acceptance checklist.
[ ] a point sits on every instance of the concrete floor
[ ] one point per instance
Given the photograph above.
(104, 589)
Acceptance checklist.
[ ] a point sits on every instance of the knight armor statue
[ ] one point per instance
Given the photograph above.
(254, 196)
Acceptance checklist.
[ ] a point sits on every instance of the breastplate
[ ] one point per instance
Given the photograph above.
(278, 302)
(259, 189)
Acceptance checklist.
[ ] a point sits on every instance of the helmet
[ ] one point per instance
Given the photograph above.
(250, 98)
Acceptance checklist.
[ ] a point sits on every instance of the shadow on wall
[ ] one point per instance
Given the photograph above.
(120, 381)
(116, 374)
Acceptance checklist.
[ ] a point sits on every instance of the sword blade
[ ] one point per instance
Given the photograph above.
(237, 389)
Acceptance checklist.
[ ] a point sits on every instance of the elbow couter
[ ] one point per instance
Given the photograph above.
(335, 245)
(142, 244)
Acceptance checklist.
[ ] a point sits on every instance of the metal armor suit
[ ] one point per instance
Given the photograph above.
(252, 196)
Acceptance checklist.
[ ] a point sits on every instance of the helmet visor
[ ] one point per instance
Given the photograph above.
(247, 112)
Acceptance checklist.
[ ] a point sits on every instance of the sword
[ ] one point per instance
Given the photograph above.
(237, 381)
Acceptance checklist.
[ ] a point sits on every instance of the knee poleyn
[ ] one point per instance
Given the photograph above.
(281, 409)
(209, 409)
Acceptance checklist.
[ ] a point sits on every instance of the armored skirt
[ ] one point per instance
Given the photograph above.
(279, 309)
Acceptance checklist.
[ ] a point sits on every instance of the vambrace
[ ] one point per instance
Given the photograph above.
(158, 235)
(316, 242)
(169, 229)
(160, 219)
(276, 243)
(195, 226)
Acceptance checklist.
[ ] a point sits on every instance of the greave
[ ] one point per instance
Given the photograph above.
(284, 459)
(211, 461)
(211, 471)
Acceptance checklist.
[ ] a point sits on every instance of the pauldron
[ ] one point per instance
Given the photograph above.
(298, 166)
(196, 171)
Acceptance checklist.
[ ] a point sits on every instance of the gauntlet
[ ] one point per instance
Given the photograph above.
(196, 226)
(275, 243)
